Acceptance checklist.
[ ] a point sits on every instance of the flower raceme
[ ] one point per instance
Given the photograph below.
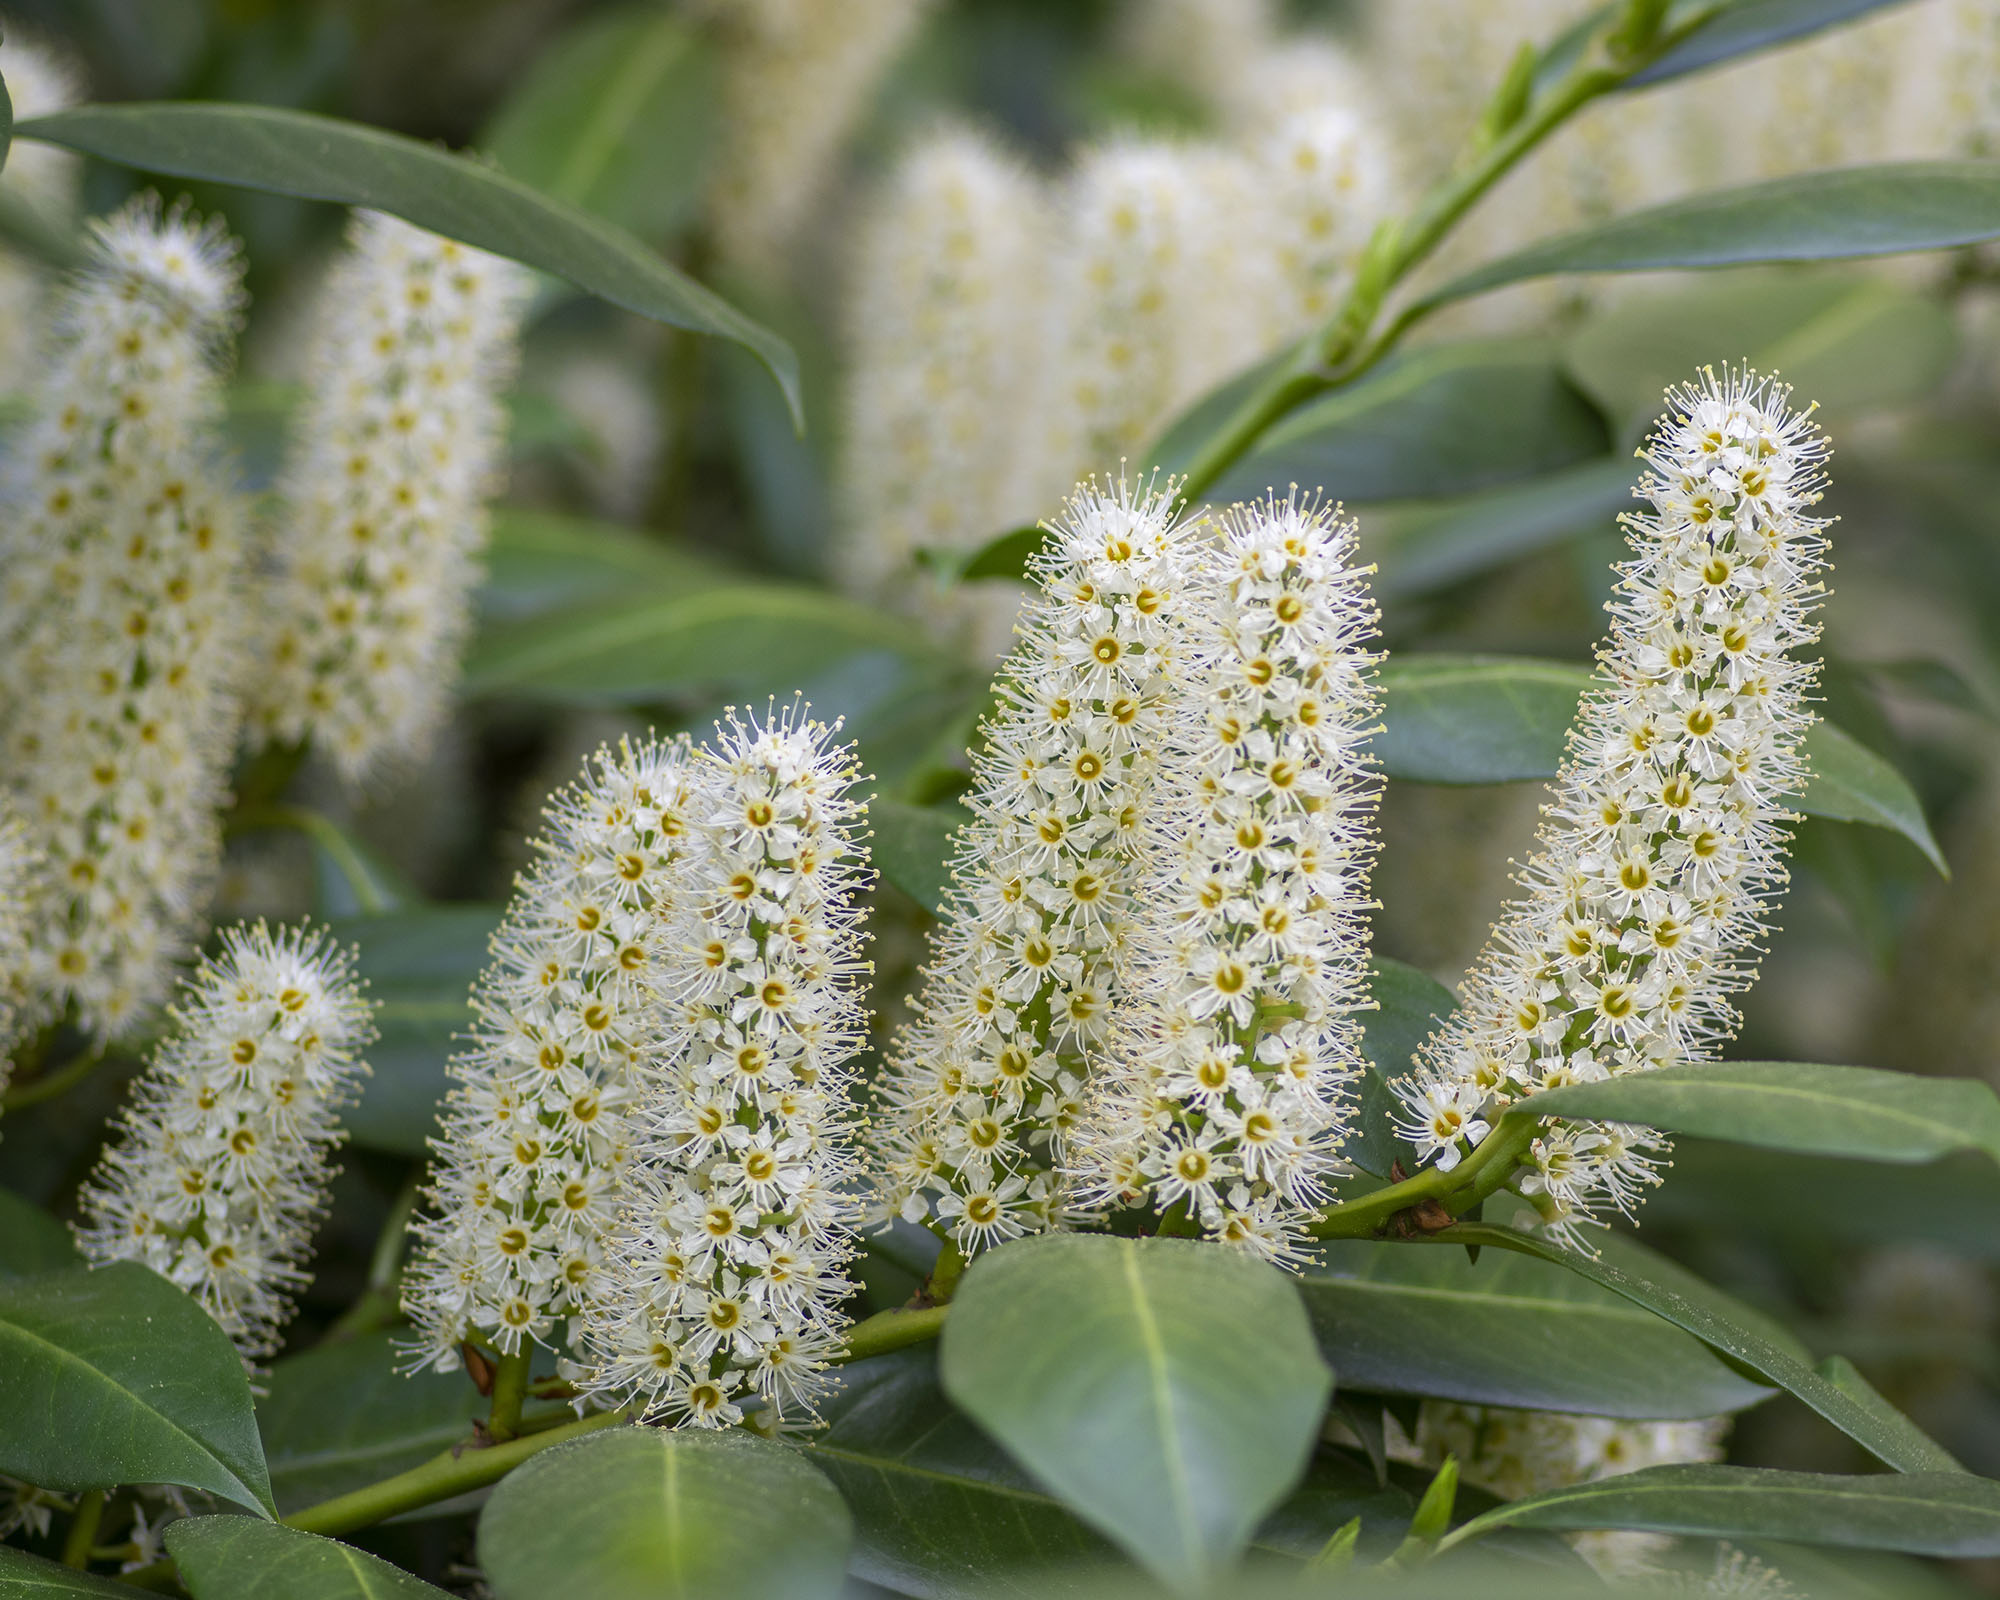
(1245, 952)
(220, 1168)
(723, 1273)
(982, 1089)
(391, 459)
(1664, 841)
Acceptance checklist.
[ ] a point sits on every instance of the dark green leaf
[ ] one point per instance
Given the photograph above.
(419, 965)
(26, 1577)
(618, 117)
(542, 561)
(1444, 420)
(6, 123)
(1924, 1513)
(1813, 216)
(735, 639)
(114, 1376)
(31, 1240)
(1005, 555)
(1408, 1007)
(1397, 1320)
(340, 1417)
(1751, 25)
(1791, 1105)
(324, 158)
(232, 1558)
(1168, 1392)
(1176, 448)
(1851, 783)
(645, 1514)
(913, 846)
(1683, 1299)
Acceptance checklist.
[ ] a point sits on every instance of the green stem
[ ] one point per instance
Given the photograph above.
(510, 1388)
(892, 1330)
(945, 1273)
(1487, 1169)
(51, 1084)
(83, 1530)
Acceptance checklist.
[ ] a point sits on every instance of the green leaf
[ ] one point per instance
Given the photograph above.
(6, 123)
(1851, 783)
(1791, 1105)
(1444, 420)
(1750, 25)
(114, 1376)
(1813, 216)
(1391, 1319)
(913, 847)
(31, 1240)
(542, 561)
(419, 965)
(1005, 555)
(1167, 1391)
(324, 158)
(26, 1577)
(642, 1514)
(618, 117)
(1409, 1005)
(340, 1417)
(741, 639)
(228, 1558)
(1923, 1513)
(1680, 1297)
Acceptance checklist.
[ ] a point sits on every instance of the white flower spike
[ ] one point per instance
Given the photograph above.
(1665, 839)
(1246, 948)
(221, 1164)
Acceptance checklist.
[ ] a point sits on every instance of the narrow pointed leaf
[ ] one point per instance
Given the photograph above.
(647, 1514)
(543, 561)
(27, 1577)
(1751, 25)
(324, 158)
(226, 1558)
(114, 1376)
(1795, 1105)
(1851, 783)
(1166, 1391)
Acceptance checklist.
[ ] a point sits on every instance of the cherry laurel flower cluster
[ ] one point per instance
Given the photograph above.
(1664, 842)
(1246, 952)
(724, 1268)
(21, 886)
(392, 459)
(535, 1133)
(124, 606)
(982, 1089)
(220, 1169)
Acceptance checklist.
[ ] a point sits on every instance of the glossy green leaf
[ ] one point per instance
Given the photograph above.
(31, 1240)
(324, 158)
(1393, 1319)
(1794, 1105)
(341, 1416)
(1751, 25)
(1671, 1292)
(1923, 1513)
(1409, 1005)
(646, 1514)
(1444, 420)
(736, 639)
(542, 561)
(231, 1558)
(1851, 783)
(114, 1376)
(419, 965)
(618, 117)
(913, 845)
(1813, 216)
(27, 1577)
(1168, 1392)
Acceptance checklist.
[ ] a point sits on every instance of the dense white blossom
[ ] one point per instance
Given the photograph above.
(1664, 842)
(39, 81)
(124, 612)
(22, 894)
(219, 1168)
(723, 1275)
(981, 1090)
(391, 458)
(1245, 953)
(535, 1132)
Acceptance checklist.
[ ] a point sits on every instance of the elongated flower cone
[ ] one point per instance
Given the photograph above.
(722, 1277)
(219, 1169)
(1246, 947)
(1664, 841)
(981, 1090)
(23, 888)
(124, 617)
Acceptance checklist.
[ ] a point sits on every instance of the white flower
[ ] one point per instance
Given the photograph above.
(723, 1276)
(219, 1171)
(1665, 839)
(1245, 945)
(536, 1132)
(391, 459)
(981, 1090)
(124, 615)
(23, 892)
